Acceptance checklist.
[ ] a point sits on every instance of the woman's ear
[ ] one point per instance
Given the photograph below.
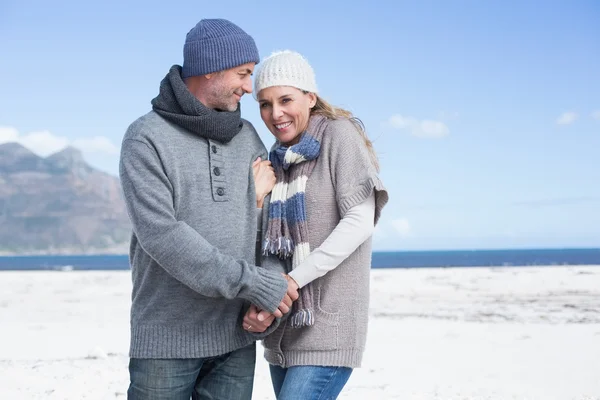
(312, 99)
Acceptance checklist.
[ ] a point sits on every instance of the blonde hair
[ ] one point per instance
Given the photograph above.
(327, 110)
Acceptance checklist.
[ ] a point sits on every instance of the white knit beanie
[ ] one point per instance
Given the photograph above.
(285, 68)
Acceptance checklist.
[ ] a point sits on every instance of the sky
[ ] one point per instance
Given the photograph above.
(485, 114)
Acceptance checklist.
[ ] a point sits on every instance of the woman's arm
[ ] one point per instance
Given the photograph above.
(354, 228)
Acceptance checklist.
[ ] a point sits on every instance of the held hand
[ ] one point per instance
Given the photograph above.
(292, 287)
(291, 295)
(264, 179)
(257, 322)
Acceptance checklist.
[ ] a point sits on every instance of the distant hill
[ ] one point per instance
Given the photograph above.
(58, 205)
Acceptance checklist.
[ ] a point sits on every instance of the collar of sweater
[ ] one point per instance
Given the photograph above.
(176, 104)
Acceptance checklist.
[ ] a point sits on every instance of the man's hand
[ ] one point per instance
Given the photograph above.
(264, 179)
(254, 323)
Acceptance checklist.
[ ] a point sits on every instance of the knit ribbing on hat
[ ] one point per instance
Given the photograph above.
(216, 45)
(285, 68)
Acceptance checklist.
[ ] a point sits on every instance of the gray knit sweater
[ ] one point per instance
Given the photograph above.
(342, 178)
(192, 204)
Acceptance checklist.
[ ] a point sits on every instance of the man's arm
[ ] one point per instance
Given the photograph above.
(178, 248)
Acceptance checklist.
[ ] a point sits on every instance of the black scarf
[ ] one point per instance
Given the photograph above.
(176, 104)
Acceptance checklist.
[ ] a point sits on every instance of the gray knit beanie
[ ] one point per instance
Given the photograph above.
(216, 45)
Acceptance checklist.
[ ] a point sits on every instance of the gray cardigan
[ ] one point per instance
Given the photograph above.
(192, 204)
(342, 178)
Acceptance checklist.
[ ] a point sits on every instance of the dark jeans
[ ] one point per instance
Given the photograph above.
(309, 382)
(226, 377)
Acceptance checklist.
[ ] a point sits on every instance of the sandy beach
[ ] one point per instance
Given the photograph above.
(460, 333)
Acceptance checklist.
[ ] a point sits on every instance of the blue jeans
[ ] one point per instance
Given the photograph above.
(309, 382)
(226, 377)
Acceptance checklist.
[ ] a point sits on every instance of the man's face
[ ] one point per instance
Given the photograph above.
(226, 88)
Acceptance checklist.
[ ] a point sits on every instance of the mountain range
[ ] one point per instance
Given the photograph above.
(59, 205)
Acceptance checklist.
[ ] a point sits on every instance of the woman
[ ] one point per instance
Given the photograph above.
(322, 213)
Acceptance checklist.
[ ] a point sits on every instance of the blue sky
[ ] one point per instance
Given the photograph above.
(485, 114)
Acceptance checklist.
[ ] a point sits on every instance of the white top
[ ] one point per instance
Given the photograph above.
(352, 230)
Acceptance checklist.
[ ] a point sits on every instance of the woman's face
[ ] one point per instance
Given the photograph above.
(286, 111)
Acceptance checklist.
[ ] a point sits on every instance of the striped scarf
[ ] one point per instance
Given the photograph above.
(287, 232)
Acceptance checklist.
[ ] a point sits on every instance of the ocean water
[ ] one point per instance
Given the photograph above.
(393, 259)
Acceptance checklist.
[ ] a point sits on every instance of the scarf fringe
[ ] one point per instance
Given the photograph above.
(302, 318)
(282, 247)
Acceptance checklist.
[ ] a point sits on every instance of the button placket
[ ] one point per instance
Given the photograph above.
(217, 172)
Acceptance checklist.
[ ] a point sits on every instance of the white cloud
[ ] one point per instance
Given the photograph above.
(428, 129)
(567, 118)
(8, 134)
(45, 143)
(402, 227)
(96, 144)
(596, 114)
(379, 232)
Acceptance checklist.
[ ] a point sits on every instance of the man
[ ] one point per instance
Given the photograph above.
(189, 188)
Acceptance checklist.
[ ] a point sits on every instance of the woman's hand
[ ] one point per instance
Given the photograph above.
(264, 179)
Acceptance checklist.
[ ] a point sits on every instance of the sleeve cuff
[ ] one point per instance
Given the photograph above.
(267, 290)
(270, 329)
(305, 273)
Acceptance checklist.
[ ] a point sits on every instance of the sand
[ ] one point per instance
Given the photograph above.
(457, 333)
